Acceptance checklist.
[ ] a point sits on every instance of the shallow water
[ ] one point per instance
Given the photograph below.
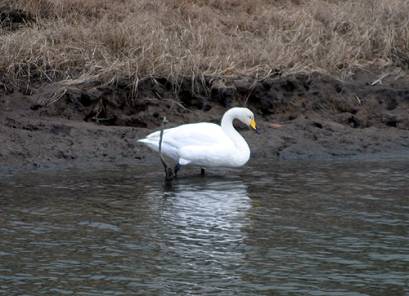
(306, 228)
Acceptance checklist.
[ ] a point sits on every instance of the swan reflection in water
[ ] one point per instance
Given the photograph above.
(202, 218)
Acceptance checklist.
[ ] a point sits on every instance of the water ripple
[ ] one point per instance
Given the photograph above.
(298, 228)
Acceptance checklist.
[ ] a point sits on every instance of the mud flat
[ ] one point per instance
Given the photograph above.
(89, 124)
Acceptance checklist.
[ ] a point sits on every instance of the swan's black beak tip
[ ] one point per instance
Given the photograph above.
(257, 131)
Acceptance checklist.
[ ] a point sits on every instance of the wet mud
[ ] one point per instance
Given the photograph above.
(89, 123)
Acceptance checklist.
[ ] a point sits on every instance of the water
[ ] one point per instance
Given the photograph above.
(296, 228)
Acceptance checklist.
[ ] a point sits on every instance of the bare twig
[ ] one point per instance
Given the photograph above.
(172, 101)
(164, 121)
(253, 85)
(54, 97)
(168, 171)
(379, 80)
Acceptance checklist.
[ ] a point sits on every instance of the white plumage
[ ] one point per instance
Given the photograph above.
(206, 144)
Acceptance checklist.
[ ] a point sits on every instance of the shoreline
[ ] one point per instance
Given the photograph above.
(190, 171)
(94, 125)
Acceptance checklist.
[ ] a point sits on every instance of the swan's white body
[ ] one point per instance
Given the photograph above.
(206, 144)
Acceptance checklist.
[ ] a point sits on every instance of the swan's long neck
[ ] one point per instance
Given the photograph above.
(233, 134)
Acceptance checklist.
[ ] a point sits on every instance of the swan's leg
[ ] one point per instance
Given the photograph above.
(202, 172)
(169, 174)
(177, 168)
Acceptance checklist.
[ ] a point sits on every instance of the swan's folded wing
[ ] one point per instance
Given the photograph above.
(206, 155)
(202, 134)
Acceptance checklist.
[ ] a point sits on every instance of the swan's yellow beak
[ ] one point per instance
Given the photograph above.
(253, 124)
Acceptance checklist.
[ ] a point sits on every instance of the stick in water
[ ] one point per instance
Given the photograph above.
(168, 170)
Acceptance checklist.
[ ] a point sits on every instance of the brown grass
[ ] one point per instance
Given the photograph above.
(174, 38)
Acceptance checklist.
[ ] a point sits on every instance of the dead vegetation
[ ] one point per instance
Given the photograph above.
(103, 39)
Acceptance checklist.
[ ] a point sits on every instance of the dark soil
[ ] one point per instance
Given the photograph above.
(12, 19)
(94, 124)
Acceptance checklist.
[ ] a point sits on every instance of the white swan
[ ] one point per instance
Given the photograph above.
(206, 144)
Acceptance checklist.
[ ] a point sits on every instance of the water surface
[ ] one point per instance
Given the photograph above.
(307, 228)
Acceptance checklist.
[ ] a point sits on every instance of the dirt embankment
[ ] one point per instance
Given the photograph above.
(89, 124)
(97, 120)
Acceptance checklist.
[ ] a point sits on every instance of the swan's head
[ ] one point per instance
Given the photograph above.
(245, 116)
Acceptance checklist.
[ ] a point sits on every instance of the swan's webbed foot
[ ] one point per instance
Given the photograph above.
(176, 169)
(202, 172)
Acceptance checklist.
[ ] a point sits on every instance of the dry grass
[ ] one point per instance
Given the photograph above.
(174, 38)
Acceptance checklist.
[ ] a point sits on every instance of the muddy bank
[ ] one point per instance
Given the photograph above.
(87, 123)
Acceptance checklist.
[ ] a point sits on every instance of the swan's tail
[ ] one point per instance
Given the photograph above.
(144, 140)
(152, 139)
(151, 143)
